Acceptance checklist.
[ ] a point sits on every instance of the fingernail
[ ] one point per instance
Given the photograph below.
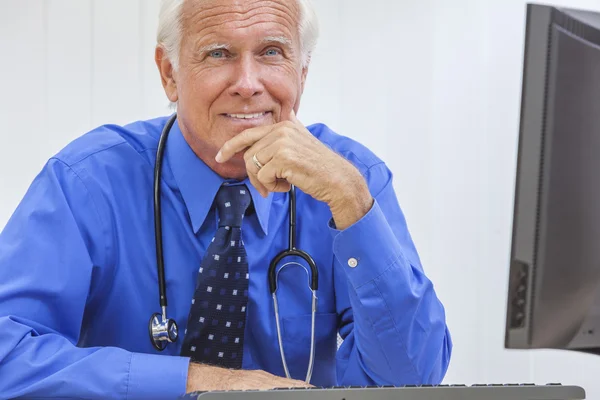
(219, 157)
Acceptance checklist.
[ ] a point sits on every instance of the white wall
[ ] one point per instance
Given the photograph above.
(432, 86)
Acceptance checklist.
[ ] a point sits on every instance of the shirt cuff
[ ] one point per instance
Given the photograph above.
(153, 376)
(367, 248)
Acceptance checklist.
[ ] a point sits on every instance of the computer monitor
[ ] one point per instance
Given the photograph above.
(554, 283)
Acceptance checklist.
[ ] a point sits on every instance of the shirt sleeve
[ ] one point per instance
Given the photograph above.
(50, 250)
(393, 324)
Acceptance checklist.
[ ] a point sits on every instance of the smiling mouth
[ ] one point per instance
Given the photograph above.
(248, 117)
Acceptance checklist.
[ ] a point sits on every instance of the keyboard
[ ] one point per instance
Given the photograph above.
(553, 391)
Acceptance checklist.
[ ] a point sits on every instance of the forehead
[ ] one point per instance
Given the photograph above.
(206, 17)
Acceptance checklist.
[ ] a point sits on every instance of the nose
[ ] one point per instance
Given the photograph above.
(248, 81)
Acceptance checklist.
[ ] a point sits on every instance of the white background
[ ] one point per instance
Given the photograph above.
(432, 86)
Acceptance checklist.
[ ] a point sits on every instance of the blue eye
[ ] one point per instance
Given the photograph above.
(272, 52)
(217, 54)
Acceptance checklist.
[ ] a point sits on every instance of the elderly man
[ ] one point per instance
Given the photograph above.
(77, 259)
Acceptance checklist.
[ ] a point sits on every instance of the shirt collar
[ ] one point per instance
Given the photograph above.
(199, 184)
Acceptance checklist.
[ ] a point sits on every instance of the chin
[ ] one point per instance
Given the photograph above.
(235, 168)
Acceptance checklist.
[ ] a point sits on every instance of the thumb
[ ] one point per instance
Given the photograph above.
(293, 117)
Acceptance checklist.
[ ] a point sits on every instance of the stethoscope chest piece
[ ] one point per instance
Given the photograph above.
(162, 331)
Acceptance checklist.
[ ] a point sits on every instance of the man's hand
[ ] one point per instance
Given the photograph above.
(207, 378)
(291, 155)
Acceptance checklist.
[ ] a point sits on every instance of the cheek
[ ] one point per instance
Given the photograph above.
(197, 96)
(202, 86)
(284, 84)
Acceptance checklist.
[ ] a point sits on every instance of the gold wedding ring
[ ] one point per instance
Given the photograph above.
(256, 162)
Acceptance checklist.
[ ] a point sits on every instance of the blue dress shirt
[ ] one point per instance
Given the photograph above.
(78, 279)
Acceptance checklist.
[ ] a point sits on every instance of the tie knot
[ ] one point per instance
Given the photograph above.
(232, 202)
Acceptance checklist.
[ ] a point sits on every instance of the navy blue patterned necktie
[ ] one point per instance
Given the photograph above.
(215, 329)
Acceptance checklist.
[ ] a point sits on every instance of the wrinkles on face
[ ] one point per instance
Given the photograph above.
(204, 16)
(233, 61)
(238, 25)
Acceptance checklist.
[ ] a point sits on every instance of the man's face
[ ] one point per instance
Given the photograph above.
(240, 67)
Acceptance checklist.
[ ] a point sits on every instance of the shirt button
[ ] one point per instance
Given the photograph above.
(352, 262)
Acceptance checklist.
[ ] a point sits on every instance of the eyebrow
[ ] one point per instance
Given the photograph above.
(277, 39)
(269, 39)
(214, 46)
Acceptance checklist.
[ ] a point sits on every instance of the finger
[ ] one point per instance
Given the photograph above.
(277, 159)
(255, 161)
(258, 150)
(245, 139)
(264, 150)
(273, 177)
(295, 121)
(293, 117)
(264, 192)
(252, 171)
(280, 153)
(252, 167)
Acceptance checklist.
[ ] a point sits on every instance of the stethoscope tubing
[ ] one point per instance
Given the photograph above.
(312, 325)
(160, 261)
(166, 331)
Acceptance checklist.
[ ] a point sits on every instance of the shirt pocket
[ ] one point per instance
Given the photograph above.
(298, 328)
(296, 334)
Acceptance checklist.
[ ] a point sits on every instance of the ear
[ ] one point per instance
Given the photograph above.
(166, 73)
(304, 74)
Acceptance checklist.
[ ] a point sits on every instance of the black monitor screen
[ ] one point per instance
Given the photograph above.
(554, 289)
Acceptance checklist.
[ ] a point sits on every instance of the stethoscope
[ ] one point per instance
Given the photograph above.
(164, 330)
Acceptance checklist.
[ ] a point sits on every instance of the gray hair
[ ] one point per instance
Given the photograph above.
(170, 29)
